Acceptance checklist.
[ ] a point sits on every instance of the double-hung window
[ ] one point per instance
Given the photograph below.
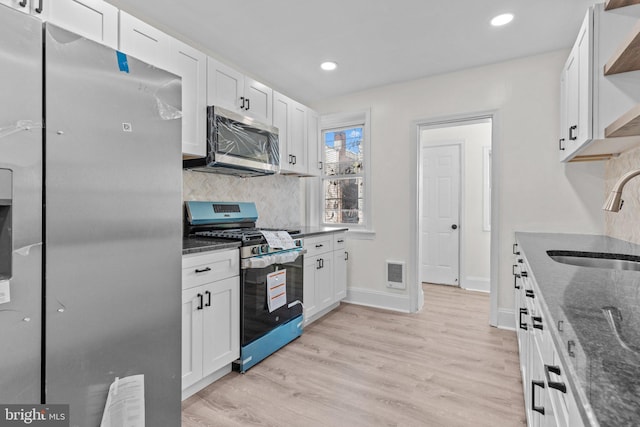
(345, 188)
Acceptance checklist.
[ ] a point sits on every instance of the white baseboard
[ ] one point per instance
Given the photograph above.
(377, 299)
(204, 382)
(472, 283)
(506, 319)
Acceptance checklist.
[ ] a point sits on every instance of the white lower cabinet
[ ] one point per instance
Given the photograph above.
(210, 317)
(325, 274)
(549, 401)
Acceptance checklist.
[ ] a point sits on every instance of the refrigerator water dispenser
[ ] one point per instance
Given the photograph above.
(5, 223)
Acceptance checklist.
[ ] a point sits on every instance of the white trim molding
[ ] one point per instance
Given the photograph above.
(506, 319)
(377, 299)
(471, 283)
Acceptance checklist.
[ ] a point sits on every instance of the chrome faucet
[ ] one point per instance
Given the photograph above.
(614, 201)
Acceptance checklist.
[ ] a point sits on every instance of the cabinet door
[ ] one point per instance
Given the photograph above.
(225, 86)
(21, 5)
(281, 116)
(93, 19)
(221, 319)
(191, 65)
(563, 136)
(324, 281)
(148, 44)
(579, 93)
(309, 287)
(340, 274)
(258, 101)
(191, 336)
(314, 150)
(298, 138)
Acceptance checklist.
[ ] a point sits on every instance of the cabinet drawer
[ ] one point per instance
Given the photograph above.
(339, 241)
(198, 269)
(318, 244)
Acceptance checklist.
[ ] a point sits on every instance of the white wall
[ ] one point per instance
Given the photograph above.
(475, 241)
(537, 193)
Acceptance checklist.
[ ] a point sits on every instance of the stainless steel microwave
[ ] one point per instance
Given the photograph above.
(237, 145)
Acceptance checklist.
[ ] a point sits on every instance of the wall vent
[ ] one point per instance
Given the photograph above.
(395, 275)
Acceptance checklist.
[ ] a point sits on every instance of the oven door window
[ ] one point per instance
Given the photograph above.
(256, 319)
(239, 140)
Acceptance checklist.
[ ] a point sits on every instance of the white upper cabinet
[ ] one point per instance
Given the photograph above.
(144, 42)
(21, 5)
(314, 146)
(93, 19)
(157, 48)
(191, 65)
(290, 117)
(590, 100)
(230, 89)
(578, 94)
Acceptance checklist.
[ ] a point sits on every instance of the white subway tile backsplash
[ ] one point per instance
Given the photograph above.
(277, 197)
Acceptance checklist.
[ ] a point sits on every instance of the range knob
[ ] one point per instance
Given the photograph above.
(264, 249)
(255, 250)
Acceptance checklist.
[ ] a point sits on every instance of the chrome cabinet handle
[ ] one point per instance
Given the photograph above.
(548, 369)
(208, 304)
(200, 297)
(248, 104)
(346, 256)
(242, 98)
(39, 8)
(515, 251)
(515, 281)
(203, 270)
(560, 144)
(572, 137)
(319, 246)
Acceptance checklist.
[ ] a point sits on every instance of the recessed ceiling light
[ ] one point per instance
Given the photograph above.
(503, 19)
(329, 66)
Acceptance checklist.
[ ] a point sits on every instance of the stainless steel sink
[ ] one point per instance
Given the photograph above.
(597, 259)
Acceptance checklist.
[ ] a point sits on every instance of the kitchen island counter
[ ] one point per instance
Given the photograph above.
(597, 311)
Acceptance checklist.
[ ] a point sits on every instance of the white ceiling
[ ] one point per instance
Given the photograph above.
(375, 42)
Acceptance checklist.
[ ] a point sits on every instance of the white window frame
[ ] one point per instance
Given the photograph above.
(344, 120)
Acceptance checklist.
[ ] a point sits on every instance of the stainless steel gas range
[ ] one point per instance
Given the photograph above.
(271, 275)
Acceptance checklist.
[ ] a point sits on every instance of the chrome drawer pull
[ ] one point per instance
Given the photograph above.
(203, 270)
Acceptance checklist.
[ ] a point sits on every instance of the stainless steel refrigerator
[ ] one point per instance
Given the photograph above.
(90, 223)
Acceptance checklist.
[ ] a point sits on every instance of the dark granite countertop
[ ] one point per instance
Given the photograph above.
(313, 231)
(604, 365)
(192, 245)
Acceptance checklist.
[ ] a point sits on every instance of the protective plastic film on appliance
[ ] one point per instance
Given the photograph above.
(248, 146)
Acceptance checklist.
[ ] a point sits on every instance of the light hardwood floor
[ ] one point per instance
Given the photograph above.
(362, 366)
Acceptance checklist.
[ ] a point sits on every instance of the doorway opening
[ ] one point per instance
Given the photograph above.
(454, 206)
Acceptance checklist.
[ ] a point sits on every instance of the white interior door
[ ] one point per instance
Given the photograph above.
(440, 214)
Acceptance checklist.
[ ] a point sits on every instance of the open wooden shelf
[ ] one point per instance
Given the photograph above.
(615, 4)
(627, 56)
(627, 125)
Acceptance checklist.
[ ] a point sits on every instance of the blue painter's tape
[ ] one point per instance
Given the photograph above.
(122, 62)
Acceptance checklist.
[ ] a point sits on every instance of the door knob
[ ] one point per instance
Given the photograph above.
(454, 227)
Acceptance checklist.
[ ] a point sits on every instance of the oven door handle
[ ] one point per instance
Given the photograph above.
(268, 260)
